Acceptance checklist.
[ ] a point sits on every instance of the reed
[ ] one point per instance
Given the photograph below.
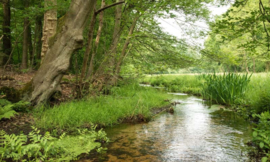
(226, 88)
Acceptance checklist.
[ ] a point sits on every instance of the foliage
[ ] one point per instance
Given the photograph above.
(226, 88)
(124, 101)
(6, 110)
(35, 147)
(261, 134)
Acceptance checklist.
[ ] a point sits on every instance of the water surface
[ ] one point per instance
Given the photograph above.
(193, 133)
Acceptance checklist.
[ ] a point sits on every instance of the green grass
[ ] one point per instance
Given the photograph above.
(191, 84)
(125, 101)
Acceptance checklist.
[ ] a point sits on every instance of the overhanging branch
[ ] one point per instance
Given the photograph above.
(109, 6)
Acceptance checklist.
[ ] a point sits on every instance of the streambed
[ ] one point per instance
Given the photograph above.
(194, 132)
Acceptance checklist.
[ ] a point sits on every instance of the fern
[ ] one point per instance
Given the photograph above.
(7, 112)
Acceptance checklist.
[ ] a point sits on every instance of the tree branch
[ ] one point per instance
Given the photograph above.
(109, 6)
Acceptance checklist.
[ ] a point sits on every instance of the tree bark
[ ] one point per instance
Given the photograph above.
(57, 59)
(7, 47)
(24, 64)
(91, 64)
(49, 26)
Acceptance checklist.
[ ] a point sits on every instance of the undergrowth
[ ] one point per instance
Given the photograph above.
(37, 147)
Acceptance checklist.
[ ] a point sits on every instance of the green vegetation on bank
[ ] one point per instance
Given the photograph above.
(127, 101)
(191, 84)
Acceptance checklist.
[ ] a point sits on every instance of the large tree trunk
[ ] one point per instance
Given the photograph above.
(24, 64)
(49, 26)
(6, 32)
(57, 59)
(91, 64)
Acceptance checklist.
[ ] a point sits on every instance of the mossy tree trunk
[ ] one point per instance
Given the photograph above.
(57, 59)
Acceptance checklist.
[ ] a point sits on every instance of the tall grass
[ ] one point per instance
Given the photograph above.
(126, 101)
(226, 88)
(258, 93)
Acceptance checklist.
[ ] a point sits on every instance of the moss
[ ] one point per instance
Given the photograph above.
(11, 93)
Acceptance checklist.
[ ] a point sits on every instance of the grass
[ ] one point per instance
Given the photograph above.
(191, 84)
(125, 101)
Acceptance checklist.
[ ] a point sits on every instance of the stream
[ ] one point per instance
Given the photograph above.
(195, 132)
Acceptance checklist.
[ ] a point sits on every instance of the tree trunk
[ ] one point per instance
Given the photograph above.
(89, 45)
(246, 63)
(123, 53)
(30, 45)
(24, 64)
(91, 64)
(254, 65)
(57, 59)
(7, 47)
(105, 73)
(37, 41)
(49, 26)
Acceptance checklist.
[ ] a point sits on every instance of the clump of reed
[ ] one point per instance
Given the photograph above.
(226, 88)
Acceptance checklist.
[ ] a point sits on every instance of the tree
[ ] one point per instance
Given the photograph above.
(6, 31)
(56, 62)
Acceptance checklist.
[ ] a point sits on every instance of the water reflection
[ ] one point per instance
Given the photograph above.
(192, 133)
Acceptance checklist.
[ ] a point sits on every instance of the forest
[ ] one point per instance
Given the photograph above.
(75, 74)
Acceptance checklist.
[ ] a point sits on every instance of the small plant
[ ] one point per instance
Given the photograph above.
(261, 134)
(7, 112)
(226, 88)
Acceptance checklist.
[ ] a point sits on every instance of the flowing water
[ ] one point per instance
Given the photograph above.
(194, 132)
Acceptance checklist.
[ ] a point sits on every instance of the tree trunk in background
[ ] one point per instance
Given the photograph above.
(246, 62)
(57, 59)
(89, 45)
(30, 45)
(254, 65)
(91, 64)
(123, 53)
(49, 26)
(7, 47)
(24, 64)
(105, 73)
(37, 41)
(267, 66)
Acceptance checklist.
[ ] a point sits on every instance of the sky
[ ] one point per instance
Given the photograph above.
(176, 27)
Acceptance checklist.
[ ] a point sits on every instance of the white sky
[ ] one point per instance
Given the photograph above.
(176, 27)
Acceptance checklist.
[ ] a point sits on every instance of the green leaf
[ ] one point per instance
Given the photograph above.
(261, 145)
(255, 134)
(264, 159)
